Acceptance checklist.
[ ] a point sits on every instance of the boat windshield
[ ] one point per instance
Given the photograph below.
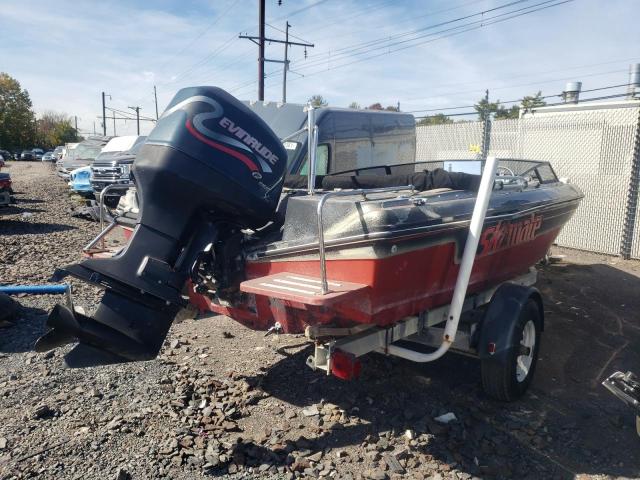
(529, 170)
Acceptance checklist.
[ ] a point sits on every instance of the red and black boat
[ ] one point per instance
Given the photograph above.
(357, 261)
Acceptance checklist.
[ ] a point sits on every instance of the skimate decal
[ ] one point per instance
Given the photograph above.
(508, 234)
(223, 143)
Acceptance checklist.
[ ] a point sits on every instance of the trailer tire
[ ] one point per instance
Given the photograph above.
(111, 202)
(506, 380)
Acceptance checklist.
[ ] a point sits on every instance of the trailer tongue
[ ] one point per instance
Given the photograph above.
(357, 269)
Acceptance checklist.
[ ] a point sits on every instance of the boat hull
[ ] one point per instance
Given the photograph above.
(405, 274)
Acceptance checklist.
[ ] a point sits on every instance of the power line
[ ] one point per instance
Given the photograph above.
(472, 26)
(477, 82)
(296, 12)
(360, 13)
(200, 35)
(483, 22)
(284, 31)
(516, 101)
(359, 46)
(131, 117)
(541, 82)
(584, 100)
(194, 66)
(413, 18)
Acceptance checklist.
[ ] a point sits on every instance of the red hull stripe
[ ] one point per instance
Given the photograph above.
(243, 158)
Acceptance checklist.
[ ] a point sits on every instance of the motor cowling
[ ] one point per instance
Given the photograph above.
(209, 164)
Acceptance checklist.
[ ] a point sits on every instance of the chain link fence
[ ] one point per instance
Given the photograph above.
(596, 149)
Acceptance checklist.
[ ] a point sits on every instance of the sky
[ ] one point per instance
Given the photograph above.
(426, 55)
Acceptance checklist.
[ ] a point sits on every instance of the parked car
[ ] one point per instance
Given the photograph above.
(1, 161)
(48, 157)
(38, 153)
(58, 152)
(83, 155)
(68, 149)
(6, 155)
(113, 166)
(27, 155)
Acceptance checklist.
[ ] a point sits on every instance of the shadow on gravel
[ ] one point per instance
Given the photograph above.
(29, 201)
(27, 327)
(16, 209)
(567, 425)
(396, 396)
(17, 227)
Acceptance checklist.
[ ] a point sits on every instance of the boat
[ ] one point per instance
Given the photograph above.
(364, 258)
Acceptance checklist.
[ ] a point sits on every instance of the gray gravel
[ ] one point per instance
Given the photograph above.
(225, 401)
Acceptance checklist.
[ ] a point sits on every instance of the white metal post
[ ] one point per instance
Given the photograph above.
(466, 265)
(311, 151)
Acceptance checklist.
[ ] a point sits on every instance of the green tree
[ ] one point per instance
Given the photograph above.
(485, 108)
(55, 129)
(533, 101)
(318, 101)
(504, 113)
(437, 119)
(17, 120)
(354, 105)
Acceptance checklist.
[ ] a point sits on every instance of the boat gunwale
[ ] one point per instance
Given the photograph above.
(370, 238)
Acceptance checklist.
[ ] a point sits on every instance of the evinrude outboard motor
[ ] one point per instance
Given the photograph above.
(209, 168)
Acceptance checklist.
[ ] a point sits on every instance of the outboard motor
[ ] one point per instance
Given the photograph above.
(209, 168)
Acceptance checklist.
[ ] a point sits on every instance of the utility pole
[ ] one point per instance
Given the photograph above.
(286, 63)
(261, 15)
(104, 115)
(486, 127)
(155, 95)
(104, 123)
(114, 124)
(137, 110)
(94, 127)
(260, 40)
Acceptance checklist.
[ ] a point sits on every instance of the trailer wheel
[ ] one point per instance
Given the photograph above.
(111, 202)
(508, 380)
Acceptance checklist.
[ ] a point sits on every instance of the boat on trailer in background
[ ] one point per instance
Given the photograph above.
(360, 262)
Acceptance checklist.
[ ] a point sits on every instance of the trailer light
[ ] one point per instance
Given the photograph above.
(491, 348)
(345, 365)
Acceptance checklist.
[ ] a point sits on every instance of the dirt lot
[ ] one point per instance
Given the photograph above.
(225, 401)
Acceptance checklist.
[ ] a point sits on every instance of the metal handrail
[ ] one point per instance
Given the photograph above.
(99, 237)
(343, 193)
(104, 231)
(292, 135)
(113, 186)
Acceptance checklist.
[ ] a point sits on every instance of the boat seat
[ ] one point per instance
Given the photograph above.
(422, 181)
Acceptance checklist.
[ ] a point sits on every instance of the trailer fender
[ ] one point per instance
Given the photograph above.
(497, 332)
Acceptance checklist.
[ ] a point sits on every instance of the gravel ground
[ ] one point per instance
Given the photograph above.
(224, 401)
